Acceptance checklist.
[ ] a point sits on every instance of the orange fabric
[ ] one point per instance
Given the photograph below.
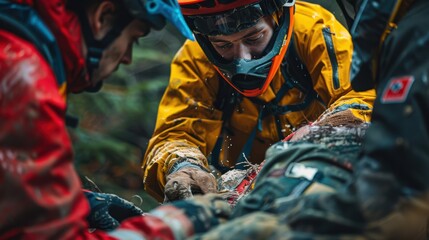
(217, 8)
(277, 60)
(41, 196)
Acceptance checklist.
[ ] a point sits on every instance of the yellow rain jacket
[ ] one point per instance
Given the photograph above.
(189, 124)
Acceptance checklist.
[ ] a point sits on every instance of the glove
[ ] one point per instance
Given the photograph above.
(194, 215)
(187, 181)
(334, 118)
(108, 210)
(338, 118)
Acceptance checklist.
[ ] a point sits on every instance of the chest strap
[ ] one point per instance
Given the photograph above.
(296, 76)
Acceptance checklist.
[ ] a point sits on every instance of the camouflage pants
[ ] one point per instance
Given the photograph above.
(288, 205)
(308, 223)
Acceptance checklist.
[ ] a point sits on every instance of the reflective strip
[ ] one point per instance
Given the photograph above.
(173, 218)
(357, 106)
(126, 234)
(327, 35)
(289, 3)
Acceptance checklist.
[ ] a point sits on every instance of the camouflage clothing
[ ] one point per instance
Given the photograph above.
(259, 225)
(296, 195)
(322, 161)
(318, 164)
(195, 215)
(388, 197)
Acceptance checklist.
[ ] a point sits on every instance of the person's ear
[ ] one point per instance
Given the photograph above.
(102, 18)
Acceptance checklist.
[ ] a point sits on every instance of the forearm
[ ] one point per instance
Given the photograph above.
(360, 105)
(188, 140)
(163, 158)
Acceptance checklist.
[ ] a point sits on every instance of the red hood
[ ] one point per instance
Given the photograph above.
(66, 28)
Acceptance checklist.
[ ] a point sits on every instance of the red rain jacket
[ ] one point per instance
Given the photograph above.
(40, 192)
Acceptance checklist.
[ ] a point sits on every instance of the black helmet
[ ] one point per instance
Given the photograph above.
(155, 12)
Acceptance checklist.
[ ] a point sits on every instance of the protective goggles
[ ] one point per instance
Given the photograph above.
(235, 20)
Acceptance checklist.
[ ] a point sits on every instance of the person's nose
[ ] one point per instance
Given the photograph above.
(242, 52)
(128, 56)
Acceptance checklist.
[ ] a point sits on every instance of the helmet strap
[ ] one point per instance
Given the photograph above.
(96, 47)
(228, 70)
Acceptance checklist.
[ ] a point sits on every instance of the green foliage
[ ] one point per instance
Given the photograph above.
(116, 124)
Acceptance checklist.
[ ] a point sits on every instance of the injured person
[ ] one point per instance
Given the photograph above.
(286, 197)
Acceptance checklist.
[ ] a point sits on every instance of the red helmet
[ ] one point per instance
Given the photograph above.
(224, 17)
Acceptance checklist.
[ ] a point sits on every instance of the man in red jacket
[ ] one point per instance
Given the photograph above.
(49, 48)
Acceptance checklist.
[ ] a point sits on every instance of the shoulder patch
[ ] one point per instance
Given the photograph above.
(397, 89)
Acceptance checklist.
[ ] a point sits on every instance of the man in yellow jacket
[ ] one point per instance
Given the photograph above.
(259, 70)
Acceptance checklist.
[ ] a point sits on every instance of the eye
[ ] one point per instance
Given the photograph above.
(136, 38)
(223, 46)
(255, 39)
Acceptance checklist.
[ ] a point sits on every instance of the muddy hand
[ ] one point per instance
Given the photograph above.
(187, 182)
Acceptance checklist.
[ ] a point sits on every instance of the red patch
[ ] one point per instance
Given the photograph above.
(397, 90)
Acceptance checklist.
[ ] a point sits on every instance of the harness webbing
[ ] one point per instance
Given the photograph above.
(296, 76)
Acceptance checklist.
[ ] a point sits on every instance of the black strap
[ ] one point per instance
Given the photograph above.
(23, 21)
(72, 121)
(96, 47)
(226, 101)
(296, 76)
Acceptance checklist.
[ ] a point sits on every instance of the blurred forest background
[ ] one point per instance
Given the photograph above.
(115, 124)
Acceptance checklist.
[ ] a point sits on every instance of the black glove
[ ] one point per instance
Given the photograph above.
(108, 210)
(202, 212)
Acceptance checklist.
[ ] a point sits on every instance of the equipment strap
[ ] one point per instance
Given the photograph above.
(227, 100)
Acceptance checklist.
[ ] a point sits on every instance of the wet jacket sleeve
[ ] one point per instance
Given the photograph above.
(369, 31)
(398, 138)
(325, 46)
(41, 195)
(187, 124)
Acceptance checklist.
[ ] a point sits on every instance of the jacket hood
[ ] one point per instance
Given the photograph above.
(65, 26)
